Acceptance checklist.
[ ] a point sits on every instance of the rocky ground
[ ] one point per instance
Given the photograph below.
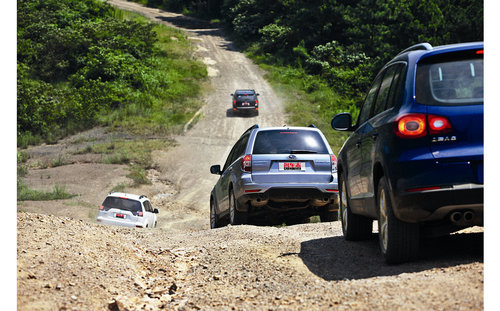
(71, 264)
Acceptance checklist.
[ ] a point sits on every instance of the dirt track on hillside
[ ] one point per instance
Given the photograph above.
(211, 138)
(66, 261)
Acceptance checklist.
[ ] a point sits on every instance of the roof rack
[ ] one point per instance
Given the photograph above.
(421, 46)
(255, 126)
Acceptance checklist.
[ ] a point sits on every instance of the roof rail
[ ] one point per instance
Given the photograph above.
(312, 125)
(420, 46)
(255, 126)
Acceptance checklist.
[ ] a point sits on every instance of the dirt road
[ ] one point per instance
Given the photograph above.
(209, 141)
(66, 261)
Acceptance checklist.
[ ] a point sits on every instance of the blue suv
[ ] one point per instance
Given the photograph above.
(414, 161)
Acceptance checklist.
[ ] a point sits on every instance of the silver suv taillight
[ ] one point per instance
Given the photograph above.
(334, 163)
(246, 163)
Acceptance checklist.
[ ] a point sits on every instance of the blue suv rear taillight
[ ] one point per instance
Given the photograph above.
(415, 125)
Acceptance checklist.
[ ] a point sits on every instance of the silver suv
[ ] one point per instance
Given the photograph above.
(127, 210)
(285, 174)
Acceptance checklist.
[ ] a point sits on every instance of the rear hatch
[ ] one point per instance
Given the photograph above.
(451, 87)
(290, 156)
(121, 208)
(245, 100)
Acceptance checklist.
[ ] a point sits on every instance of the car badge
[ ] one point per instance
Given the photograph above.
(292, 156)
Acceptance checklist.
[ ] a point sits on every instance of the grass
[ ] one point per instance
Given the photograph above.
(24, 193)
(22, 157)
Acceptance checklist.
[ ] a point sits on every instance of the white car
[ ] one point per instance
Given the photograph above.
(127, 210)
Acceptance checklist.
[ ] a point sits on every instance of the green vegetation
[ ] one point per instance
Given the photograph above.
(82, 63)
(24, 193)
(22, 170)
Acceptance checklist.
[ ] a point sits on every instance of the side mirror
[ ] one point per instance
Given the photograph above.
(257, 94)
(342, 122)
(215, 169)
(232, 94)
(155, 211)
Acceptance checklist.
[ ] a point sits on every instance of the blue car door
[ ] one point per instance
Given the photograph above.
(358, 147)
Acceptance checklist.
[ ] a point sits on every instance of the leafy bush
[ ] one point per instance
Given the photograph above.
(80, 64)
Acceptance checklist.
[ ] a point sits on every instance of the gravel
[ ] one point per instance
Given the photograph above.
(70, 264)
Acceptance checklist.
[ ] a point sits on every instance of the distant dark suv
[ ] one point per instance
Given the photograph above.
(245, 101)
(277, 174)
(414, 160)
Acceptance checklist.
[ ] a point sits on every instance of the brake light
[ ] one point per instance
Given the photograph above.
(101, 208)
(246, 163)
(438, 125)
(140, 214)
(234, 102)
(480, 52)
(411, 126)
(415, 125)
(256, 102)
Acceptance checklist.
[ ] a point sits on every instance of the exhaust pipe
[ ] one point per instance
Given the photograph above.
(462, 219)
(455, 217)
(468, 216)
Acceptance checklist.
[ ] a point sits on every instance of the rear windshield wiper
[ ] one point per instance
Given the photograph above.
(302, 151)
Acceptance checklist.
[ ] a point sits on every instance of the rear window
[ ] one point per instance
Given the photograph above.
(238, 93)
(244, 97)
(122, 204)
(454, 82)
(289, 142)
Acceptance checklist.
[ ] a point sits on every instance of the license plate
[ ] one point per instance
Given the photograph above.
(119, 215)
(246, 104)
(292, 166)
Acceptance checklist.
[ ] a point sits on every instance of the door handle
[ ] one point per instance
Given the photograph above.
(358, 143)
(374, 136)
